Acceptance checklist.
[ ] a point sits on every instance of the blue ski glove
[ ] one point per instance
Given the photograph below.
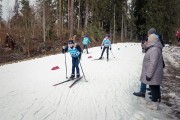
(110, 48)
(101, 47)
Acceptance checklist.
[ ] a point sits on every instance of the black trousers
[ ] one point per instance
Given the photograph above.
(156, 93)
(106, 50)
(85, 47)
(75, 64)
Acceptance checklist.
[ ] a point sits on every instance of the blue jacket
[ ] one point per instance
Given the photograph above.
(85, 41)
(106, 42)
(74, 51)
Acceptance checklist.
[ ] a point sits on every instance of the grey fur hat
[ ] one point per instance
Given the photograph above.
(152, 31)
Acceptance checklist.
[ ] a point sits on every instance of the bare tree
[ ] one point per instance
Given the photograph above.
(69, 12)
(79, 14)
(114, 32)
(122, 26)
(71, 18)
(60, 19)
(44, 22)
(86, 14)
(0, 13)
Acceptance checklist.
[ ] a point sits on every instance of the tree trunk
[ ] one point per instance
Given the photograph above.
(69, 12)
(79, 14)
(59, 25)
(62, 22)
(44, 23)
(131, 32)
(125, 22)
(71, 18)
(122, 28)
(86, 14)
(114, 32)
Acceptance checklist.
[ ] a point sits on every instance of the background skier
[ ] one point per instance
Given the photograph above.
(107, 44)
(85, 43)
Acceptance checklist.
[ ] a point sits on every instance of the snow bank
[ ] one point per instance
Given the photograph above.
(172, 54)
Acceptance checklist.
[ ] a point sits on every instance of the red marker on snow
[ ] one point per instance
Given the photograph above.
(89, 56)
(55, 68)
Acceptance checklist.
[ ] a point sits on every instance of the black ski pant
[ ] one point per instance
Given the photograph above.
(75, 64)
(85, 47)
(156, 93)
(107, 52)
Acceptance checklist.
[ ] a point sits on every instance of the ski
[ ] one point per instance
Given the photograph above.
(97, 59)
(64, 81)
(76, 80)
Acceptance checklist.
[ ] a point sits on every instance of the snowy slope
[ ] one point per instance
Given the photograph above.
(27, 91)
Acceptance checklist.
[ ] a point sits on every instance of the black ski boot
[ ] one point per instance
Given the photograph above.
(72, 76)
(139, 94)
(100, 58)
(77, 76)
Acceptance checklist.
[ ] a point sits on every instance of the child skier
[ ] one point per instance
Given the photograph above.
(85, 43)
(75, 52)
(107, 44)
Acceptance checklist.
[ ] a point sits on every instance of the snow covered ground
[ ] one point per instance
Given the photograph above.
(27, 91)
(172, 54)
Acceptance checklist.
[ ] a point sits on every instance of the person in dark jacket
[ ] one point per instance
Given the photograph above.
(143, 44)
(75, 52)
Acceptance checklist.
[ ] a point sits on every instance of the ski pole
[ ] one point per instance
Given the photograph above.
(112, 54)
(65, 65)
(82, 70)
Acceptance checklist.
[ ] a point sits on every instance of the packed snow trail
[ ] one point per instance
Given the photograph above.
(27, 91)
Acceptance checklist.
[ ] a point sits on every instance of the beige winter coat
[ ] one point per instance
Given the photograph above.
(152, 63)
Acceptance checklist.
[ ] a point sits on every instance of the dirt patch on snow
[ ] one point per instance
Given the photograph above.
(171, 86)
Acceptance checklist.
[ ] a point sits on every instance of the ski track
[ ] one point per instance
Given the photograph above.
(106, 96)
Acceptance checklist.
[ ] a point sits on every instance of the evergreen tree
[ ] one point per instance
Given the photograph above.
(0, 10)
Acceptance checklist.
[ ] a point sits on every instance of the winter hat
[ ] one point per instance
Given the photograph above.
(152, 31)
(86, 36)
(152, 37)
(107, 35)
(71, 42)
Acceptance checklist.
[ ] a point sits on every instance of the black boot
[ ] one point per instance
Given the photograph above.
(139, 94)
(100, 58)
(148, 89)
(77, 76)
(72, 76)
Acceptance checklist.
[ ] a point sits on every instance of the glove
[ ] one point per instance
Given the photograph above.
(63, 47)
(148, 79)
(101, 47)
(110, 48)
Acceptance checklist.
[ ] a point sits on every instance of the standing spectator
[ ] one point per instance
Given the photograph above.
(143, 45)
(152, 69)
(178, 36)
(142, 91)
